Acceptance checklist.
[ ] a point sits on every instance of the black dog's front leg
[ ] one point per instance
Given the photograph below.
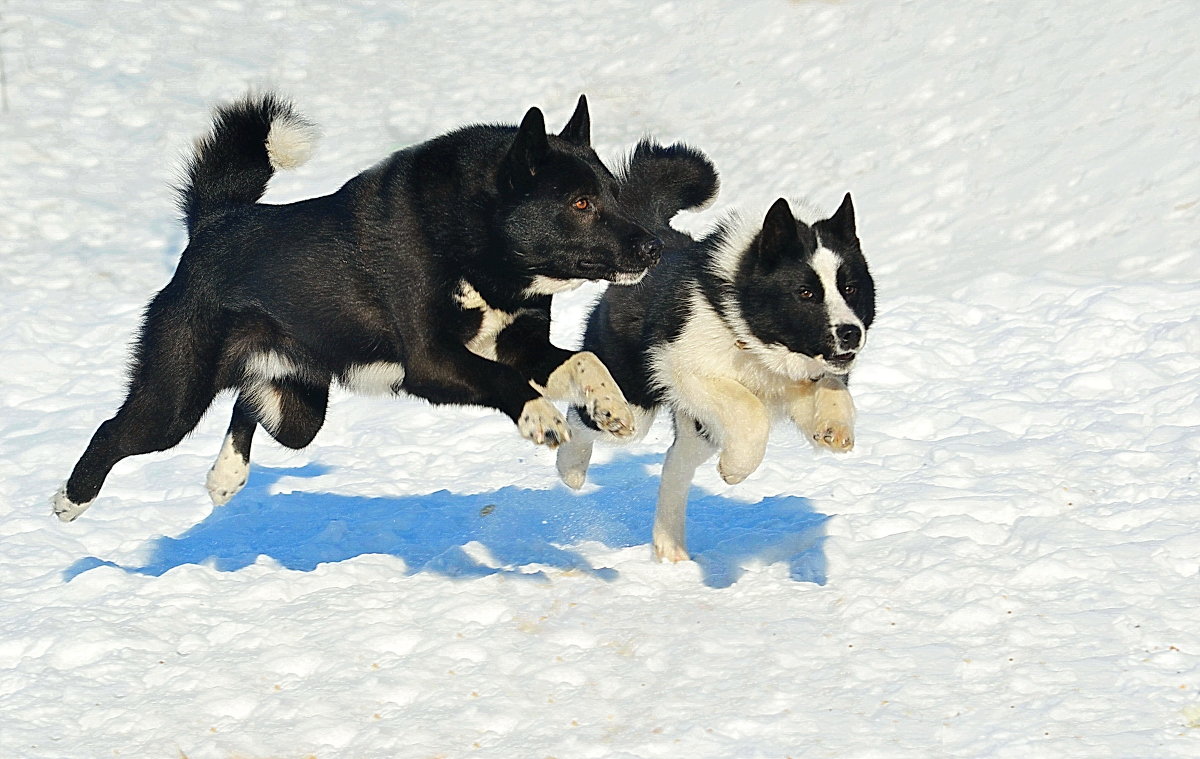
(561, 375)
(449, 373)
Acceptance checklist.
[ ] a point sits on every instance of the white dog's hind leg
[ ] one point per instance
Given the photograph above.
(689, 451)
(575, 455)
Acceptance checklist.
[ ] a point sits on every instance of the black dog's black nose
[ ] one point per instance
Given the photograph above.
(650, 247)
(849, 335)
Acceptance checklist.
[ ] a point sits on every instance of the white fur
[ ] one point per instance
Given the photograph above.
(826, 263)
(494, 320)
(290, 142)
(543, 285)
(737, 238)
(265, 399)
(541, 423)
(584, 380)
(630, 279)
(228, 474)
(377, 378)
(66, 509)
(269, 366)
(688, 452)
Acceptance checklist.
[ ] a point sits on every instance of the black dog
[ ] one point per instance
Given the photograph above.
(430, 273)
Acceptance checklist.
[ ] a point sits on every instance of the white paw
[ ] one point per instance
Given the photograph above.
(228, 474)
(836, 435)
(735, 464)
(574, 479)
(542, 423)
(611, 413)
(667, 548)
(226, 481)
(66, 509)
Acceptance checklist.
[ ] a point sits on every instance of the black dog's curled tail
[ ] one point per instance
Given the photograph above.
(250, 140)
(659, 181)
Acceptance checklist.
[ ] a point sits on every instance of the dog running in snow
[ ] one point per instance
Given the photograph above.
(750, 323)
(429, 274)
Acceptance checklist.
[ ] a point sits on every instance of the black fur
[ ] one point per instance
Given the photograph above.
(368, 274)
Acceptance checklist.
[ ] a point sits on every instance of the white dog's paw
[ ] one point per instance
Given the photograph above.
(667, 548)
(542, 423)
(736, 464)
(572, 462)
(836, 435)
(64, 508)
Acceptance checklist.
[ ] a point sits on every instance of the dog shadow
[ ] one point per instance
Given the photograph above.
(512, 530)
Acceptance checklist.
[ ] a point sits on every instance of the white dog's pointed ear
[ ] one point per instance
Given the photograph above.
(578, 130)
(842, 221)
(529, 148)
(778, 234)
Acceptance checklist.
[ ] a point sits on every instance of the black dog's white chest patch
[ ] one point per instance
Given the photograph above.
(492, 322)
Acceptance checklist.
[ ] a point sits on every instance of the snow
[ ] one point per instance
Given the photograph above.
(1004, 567)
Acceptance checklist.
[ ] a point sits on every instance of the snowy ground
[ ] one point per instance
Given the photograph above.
(1009, 556)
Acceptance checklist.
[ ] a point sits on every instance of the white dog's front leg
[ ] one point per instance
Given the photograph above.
(689, 451)
(736, 419)
(824, 411)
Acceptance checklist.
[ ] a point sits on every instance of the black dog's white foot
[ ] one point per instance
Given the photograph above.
(541, 423)
(228, 474)
(66, 509)
(584, 380)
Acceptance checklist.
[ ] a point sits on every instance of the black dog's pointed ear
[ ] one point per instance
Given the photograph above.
(578, 130)
(779, 233)
(528, 148)
(842, 221)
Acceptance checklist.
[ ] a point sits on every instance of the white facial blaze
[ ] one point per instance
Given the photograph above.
(826, 263)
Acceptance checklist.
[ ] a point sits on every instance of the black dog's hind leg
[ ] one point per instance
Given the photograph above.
(173, 381)
(291, 412)
(229, 471)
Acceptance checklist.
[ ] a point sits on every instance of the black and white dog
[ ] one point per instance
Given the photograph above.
(749, 323)
(429, 274)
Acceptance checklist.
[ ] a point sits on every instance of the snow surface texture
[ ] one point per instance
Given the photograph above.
(1009, 556)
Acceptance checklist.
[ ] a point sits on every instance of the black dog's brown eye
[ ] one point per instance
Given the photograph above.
(582, 204)
(849, 289)
(805, 293)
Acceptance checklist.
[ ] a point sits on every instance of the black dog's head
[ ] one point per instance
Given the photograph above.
(559, 211)
(808, 289)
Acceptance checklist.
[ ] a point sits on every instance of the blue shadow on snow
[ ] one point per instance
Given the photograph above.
(518, 527)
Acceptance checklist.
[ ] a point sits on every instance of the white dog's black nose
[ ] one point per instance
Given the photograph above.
(849, 336)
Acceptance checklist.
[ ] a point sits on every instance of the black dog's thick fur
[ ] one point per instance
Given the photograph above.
(430, 273)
